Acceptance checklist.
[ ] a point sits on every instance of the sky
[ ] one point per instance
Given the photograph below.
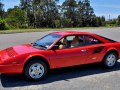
(101, 7)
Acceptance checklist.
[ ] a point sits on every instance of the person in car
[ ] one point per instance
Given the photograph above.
(64, 44)
(75, 42)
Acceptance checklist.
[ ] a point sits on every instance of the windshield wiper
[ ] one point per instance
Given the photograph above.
(35, 44)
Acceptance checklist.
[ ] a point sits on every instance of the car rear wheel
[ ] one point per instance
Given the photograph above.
(35, 70)
(110, 60)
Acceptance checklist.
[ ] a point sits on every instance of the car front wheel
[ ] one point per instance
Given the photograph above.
(110, 60)
(35, 70)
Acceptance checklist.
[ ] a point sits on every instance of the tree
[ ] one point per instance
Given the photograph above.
(47, 12)
(27, 6)
(103, 21)
(1, 9)
(41, 13)
(85, 13)
(17, 18)
(118, 20)
(69, 8)
(100, 21)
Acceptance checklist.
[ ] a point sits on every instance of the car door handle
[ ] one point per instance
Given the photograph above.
(83, 50)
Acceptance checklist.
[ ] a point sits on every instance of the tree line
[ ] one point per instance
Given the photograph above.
(49, 14)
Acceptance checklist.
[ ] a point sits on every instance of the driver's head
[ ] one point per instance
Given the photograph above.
(76, 39)
(64, 41)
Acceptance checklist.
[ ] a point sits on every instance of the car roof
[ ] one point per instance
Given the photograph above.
(70, 32)
(67, 33)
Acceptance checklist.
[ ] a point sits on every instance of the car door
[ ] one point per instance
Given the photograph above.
(68, 56)
(95, 49)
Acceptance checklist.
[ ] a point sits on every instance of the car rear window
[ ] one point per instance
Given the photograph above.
(107, 38)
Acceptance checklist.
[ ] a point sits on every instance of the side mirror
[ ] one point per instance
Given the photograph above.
(55, 47)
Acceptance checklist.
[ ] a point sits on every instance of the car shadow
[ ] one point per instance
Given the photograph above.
(57, 75)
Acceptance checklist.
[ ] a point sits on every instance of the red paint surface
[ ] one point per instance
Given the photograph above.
(13, 59)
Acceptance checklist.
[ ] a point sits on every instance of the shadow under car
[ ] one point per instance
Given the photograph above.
(57, 75)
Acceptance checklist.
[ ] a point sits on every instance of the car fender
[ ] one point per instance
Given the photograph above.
(36, 55)
(113, 48)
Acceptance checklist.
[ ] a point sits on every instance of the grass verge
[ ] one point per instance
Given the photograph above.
(46, 29)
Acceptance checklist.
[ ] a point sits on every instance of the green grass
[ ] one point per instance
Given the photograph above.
(45, 29)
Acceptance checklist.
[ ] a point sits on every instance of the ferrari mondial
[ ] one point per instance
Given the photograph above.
(57, 50)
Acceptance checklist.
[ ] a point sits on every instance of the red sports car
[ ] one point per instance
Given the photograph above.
(57, 50)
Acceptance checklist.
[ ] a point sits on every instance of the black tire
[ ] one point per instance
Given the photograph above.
(105, 61)
(29, 65)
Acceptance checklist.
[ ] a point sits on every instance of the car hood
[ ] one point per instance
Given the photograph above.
(21, 49)
(12, 52)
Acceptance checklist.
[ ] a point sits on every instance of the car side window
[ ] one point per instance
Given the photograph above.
(76, 41)
(71, 42)
(89, 40)
(66, 42)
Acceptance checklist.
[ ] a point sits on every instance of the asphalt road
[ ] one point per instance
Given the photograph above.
(86, 77)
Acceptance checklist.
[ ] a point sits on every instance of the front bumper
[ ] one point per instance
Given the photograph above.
(6, 67)
(11, 69)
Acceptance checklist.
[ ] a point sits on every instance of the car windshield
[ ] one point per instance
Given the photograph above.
(47, 40)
